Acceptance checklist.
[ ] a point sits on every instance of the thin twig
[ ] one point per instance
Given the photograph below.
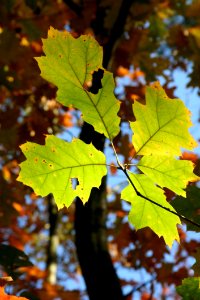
(121, 167)
(124, 170)
(155, 203)
(139, 287)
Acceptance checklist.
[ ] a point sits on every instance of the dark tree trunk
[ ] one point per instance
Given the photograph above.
(51, 263)
(91, 237)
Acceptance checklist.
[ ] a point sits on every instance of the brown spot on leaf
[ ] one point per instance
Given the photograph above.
(44, 161)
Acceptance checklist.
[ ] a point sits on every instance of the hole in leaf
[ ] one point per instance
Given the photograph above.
(96, 81)
(74, 182)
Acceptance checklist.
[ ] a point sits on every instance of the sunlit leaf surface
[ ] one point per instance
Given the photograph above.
(69, 64)
(144, 213)
(64, 169)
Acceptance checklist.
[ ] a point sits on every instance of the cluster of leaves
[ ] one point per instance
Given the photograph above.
(51, 168)
(159, 38)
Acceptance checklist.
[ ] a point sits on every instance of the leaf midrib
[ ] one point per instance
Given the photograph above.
(65, 168)
(86, 92)
(156, 209)
(159, 129)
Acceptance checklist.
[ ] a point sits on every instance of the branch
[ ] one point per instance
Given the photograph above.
(139, 287)
(117, 30)
(73, 6)
(51, 263)
(155, 203)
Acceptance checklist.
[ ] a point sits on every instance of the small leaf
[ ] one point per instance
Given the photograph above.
(53, 167)
(69, 64)
(69, 59)
(144, 213)
(190, 288)
(168, 172)
(161, 126)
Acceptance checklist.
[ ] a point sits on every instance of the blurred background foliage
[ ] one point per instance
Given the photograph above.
(155, 39)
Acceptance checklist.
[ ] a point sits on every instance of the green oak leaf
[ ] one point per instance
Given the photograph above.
(51, 168)
(190, 288)
(69, 64)
(161, 126)
(144, 213)
(168, 172)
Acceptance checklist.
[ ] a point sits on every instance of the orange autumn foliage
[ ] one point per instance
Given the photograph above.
(3, 295)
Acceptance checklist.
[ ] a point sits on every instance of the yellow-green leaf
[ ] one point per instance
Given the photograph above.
(67, 170)
(161, 126)
(69, 64)
(168, 172)
(144, 213)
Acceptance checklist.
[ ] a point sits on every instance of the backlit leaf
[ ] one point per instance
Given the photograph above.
(66, 170)
(168, 172)
(69, 64)
(159, 133)
(161, 126)
(144, 213)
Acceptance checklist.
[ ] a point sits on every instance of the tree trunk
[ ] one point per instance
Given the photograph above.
(91, 237)
(51, 263)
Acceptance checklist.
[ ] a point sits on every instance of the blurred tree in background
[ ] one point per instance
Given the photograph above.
(143, 41)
